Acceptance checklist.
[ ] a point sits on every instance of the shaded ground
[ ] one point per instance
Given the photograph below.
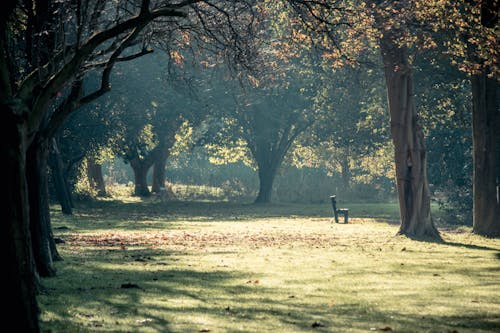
(241, 268)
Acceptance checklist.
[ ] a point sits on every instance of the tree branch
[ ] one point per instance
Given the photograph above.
(49, 89)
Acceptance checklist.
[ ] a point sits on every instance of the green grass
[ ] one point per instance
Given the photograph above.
(202, 267)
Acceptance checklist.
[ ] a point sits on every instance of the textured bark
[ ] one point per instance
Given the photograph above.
(486, 138)
(19, 306)
(38, 194)
(410, 154)
(486, 132)
(95, 177)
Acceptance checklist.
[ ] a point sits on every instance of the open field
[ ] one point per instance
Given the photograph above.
(202, 267)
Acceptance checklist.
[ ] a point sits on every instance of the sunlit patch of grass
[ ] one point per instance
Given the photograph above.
(242, 268)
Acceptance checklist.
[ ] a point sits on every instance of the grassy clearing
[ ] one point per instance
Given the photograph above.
(154, 267)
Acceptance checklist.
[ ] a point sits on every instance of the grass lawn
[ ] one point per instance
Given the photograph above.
(201, 267)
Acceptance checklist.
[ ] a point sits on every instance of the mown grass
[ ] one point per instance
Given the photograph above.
(140, 266)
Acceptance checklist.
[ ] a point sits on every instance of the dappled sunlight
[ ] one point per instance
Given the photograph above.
(283, 274)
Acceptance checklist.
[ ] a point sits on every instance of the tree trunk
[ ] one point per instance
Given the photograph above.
(267, 173)
(486, 139)
(140, 177)
(486, 132)
(408, 139)
(158, 181)
(346, 172)
(95, 177)
(60, 181)
(38, 194)
(20, 308)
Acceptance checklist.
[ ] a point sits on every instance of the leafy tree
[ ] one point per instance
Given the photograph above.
(38, 62)
(338, 27)
(353, 125)
(268, 117)
(148, 112)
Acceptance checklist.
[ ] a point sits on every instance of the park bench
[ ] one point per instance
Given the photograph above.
(337, 211)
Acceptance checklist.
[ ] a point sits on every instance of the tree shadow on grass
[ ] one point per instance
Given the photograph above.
(159, 294)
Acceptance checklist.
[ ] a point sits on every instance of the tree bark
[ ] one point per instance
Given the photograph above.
(410, 153)
(140, 169)
(59, 178)
(38, 194)
(486, 139)
(20, 308)
(486, 132)
(95, 177)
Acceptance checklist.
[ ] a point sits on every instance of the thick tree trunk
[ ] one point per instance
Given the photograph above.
(140, 177)
(486, 138)
(38, 194)
(267, 173)
(20, 309)
(60, 181)
(158, 180)
(95, 177)
(408, 139)
(486, 132)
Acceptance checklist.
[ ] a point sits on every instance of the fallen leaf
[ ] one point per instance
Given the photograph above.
(204, 330)
(403, 249)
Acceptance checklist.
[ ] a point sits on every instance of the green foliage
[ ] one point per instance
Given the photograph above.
(445, 107)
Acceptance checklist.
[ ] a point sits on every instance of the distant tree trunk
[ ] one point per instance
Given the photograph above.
(266, 180)
(486, 138)
(485, 128)
(267, 173)
(38, 194)
(158, 181)
(345, 172)
(19, 307)
(161, 155)
(60, 181)
(140, 177)
(95, 177)
(410, 153)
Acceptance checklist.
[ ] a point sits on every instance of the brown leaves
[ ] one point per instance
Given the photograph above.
(200, 239)
(254, 281)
